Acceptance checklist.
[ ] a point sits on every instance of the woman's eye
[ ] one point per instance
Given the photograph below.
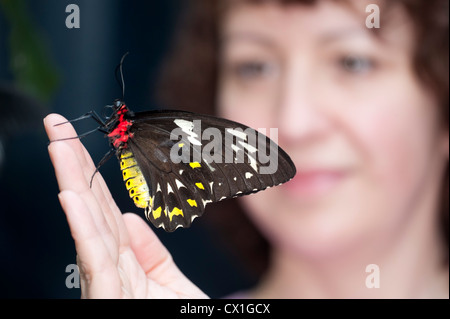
(356, 64)
(252, 70)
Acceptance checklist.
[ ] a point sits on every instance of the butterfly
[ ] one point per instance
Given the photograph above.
(175, 163)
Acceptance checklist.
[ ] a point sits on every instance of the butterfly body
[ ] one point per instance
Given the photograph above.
(175, 189)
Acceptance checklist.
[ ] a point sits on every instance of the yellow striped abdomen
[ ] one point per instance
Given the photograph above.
(134, 180)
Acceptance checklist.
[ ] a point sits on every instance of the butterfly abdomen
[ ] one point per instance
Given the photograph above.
(140, 192)
(134, 180)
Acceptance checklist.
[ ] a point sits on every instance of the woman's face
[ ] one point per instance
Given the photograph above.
(360, 127)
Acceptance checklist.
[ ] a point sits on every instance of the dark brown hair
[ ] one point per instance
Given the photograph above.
(189, 81)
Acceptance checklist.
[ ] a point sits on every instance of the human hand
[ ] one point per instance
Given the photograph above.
(118, 256)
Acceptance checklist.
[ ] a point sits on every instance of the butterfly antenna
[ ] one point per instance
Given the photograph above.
(120, 70)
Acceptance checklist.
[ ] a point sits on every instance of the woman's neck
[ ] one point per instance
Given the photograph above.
(414, 277)
(410, 264)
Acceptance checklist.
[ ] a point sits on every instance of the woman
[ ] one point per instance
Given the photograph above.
(362, 112)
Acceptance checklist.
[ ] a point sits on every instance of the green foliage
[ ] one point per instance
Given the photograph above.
(33, 70)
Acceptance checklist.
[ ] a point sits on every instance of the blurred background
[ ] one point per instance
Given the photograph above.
(46, 67)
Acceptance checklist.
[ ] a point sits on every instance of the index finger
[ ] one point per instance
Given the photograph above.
(68, 176)
(66, 131)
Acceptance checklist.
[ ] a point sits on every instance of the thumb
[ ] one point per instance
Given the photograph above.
(151, 254)
(155, 259)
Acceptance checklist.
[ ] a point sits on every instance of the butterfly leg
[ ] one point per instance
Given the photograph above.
(90, 114)
(105, 158)
(81, 135)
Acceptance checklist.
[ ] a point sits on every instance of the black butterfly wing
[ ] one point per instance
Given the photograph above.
(174, 202)
(189, 160)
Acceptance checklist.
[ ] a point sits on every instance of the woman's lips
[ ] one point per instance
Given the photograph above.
(312, 183)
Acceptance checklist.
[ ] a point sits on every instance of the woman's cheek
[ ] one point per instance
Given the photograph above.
(252, 107)
(400, 135)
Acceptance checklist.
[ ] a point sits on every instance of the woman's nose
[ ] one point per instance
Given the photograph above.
(300, 113)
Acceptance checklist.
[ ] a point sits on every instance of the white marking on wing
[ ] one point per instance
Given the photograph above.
(193, 140)
(237, 133)
(186, 126)
(179, 184)
(253, 162)
(235, 148)
(206, 202)
(209, 165)
(248, 147)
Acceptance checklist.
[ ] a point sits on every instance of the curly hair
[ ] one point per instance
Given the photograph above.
(189, 81)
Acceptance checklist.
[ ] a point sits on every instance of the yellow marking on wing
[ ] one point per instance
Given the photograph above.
(157, 212)
(199, 185)
(175, 211)
(195, 164)
(192, 202)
